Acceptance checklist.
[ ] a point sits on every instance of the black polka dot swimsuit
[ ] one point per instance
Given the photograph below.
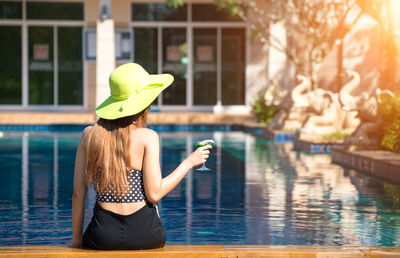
(142, 229)
(135, 193)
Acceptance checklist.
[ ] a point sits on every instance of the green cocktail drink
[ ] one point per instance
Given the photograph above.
(201, 144)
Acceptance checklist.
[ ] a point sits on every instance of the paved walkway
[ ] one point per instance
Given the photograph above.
(35, 118)
(206, 251)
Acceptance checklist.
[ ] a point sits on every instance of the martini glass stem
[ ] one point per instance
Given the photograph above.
(203, 167)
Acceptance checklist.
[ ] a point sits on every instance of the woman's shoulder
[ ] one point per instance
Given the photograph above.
(146, 134)
(87, 130)
(86, 133)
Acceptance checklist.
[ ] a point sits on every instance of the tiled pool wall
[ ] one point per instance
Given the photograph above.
(70, 127)
(312, 147)
(157, 127)
(57, 127)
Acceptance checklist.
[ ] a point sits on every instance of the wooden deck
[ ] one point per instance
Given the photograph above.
(219, 251)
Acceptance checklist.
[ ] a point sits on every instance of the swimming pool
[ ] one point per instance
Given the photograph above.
(257, 192)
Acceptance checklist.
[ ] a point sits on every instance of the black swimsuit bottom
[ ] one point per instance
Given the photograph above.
(139, 230)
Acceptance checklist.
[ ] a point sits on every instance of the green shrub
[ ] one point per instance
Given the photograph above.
(338, 135)
(390, 114)
(263, 112)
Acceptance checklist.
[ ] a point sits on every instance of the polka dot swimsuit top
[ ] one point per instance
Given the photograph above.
(134, 194)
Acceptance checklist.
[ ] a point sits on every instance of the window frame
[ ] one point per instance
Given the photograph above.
(25, 23)
(190, 25)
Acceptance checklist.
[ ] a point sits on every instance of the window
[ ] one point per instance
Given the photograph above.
(54, 66)
(70, 70)
(174, 49)
(145, 49)
(44, 88)
(158, 12)
(10, 67)
(210, 12)
(233, 64)
(54, 11)
(205, 66)
(41, 66)
(10, 10)
(215, 72)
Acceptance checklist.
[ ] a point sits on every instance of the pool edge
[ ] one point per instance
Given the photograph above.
(208, 251)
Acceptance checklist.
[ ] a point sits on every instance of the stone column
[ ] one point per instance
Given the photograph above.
(105, 50)
(277, 61)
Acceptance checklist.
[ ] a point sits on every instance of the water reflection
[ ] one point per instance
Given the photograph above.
(36, 170)
(257, 192)
(308, 200)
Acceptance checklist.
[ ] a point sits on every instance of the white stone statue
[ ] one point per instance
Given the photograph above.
(307, 103)
(367, 108)
(316, 112)
(332, 117)
(298, 111)
(326, 118)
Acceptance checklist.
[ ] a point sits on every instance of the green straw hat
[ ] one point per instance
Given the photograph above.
(132, 90)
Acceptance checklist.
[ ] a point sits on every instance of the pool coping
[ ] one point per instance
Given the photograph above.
(378, 163)
(43, 117)
(226, 251)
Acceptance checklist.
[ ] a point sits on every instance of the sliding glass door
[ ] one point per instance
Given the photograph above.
(55, 75)
(11, 65)
(41, 54)
(205, 66)
(233, 66)
(145, 49)
(174, 49)
(70, 66)
(202, 46)
(41, 65)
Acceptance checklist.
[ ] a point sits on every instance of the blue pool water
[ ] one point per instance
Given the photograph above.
(257, 192)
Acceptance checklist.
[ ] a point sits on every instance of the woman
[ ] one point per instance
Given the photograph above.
(119, 157)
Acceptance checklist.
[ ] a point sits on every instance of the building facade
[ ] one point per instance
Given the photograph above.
(49, 56)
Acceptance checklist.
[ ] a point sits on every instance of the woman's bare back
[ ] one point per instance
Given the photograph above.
(137, 146)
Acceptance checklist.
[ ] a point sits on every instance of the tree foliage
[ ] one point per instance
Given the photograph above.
(312, 26)
(174, 3)
(390, 115)
(264, 113)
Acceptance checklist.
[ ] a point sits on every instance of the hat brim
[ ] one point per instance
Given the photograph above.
(113, 109)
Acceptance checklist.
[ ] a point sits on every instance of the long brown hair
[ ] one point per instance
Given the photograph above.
(107, 153)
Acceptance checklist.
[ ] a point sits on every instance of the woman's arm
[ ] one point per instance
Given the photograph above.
(80, 189)
(157, 187)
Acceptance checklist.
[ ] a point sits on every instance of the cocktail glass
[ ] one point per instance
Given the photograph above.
(201, 144)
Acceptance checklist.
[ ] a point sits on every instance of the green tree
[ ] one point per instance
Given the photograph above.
(312, 27)
(174, 3)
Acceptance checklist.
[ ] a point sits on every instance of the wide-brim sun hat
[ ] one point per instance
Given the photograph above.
(132, 90)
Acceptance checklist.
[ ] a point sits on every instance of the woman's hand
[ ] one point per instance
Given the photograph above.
(199, 156)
